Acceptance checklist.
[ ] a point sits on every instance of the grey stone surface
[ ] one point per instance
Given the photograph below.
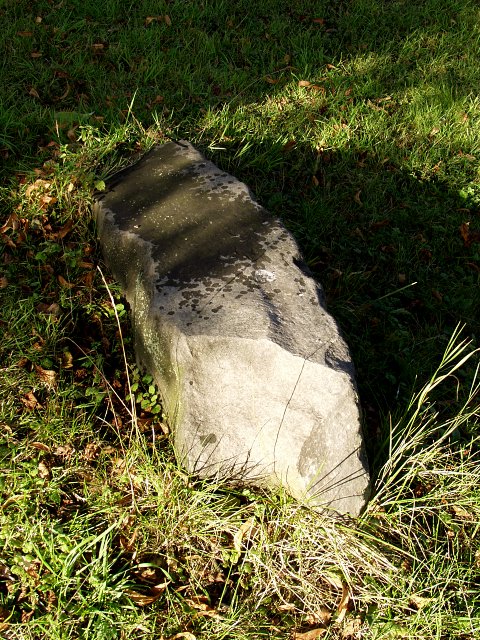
(257, 383)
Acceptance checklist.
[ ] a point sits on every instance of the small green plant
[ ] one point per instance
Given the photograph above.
(144, 392)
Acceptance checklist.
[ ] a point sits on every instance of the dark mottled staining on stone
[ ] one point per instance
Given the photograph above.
(217, 309)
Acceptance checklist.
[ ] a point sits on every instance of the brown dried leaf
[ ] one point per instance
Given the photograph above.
(245, 528)
(48, 377)
(36, 54)
(310, 635)
(30, 401)
(144, 599)
(44, 471)
(419, 602)
(33, 92)
(150, 19)
(65, 283)
(128, 544)
(46, 200)
(344, 602)
(67, 360)
(38, 184)
(25, 34)
(462, 513)
(168, 22)
(271, 80)
(322, 616)
(356, 197)
(49, 309)
(12, 223)
(98, 46)
(3, 282)
(87, 279)
(64, 451)
(67, 227)
(92, 451)
(288, 146)
(303, 83)
(40, 446)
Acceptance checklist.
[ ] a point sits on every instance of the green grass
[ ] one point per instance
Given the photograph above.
(358, 122)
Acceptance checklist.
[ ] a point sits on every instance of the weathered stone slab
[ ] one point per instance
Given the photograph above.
(256, 381)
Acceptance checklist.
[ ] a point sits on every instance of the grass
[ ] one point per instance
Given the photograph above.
(357, 122)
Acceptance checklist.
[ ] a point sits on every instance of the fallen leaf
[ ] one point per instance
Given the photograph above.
(61, 233)
(150, 19)
(288, 146)
(38, 19)
(67, 360)
(64, 451)
(25, 34)
(419, 602)
(462, 513)
(92, 451)
(49, 309)
(310, 635)
(128, 544)
(44, 471)
(3, 282)
(35, 186)
(303, 83)
(144, 599)
(344, 602)
(33, 92)
(319, 20)
(185, 635)
(36, 54)
(30, 401)
(12, 223)
(270, 80)
(48, 377)
(321, 616)
(434, 131)
(356, 197)
(315, 181)
(469, 236)
(41, 446)
(352, 629)
(87, 279)
(246, 527)
(65, 283)
(98, 46)
(46, 200)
